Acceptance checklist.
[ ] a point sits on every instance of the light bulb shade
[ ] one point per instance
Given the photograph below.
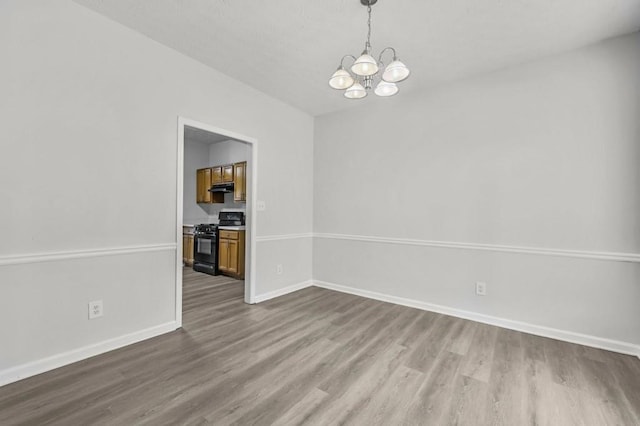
(365, 65)
(355, 92)
(341, 79)
(385, 88)
(394, 72)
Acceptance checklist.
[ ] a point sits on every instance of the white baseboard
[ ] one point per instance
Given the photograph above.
(567, 336)
(40, 366)
(282, 291)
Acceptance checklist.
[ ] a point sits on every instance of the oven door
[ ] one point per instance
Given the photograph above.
(205, 249)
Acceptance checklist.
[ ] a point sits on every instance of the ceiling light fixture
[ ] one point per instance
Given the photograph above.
(364, 70)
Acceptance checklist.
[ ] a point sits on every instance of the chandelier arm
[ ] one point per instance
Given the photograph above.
(344, 57)
(384, 50)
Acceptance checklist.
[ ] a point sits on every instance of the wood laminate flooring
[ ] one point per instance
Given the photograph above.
(320, 357)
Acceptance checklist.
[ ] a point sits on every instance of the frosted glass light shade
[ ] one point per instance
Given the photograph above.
(365, 65)
(396, 71)
(341, 79)
(355, 92)
(385, 88)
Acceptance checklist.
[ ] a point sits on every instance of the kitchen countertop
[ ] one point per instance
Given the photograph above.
(232, 228)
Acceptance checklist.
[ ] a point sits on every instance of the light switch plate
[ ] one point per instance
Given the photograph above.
(261, 206)
(481, 288)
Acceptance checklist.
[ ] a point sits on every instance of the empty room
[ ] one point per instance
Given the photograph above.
(366, 212)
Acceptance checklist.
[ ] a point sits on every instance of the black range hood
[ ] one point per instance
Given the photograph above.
(222, 187)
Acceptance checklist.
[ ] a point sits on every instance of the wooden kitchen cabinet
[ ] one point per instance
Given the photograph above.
(216, 175)
(227, 173)
(222, 174)
(231, 253)
(187, 249)
(204, 179)
(240, 181)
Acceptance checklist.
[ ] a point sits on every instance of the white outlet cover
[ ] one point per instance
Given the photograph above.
(261, 206)
(279, 269)
(95, 309)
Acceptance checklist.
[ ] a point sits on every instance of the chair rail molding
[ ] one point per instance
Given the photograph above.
(54, 256)
(595, 255)
(284, 237)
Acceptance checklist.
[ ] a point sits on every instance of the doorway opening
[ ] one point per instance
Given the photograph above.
(216, 186)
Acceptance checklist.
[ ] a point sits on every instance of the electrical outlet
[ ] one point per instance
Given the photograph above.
(95, 309)
(261, 206)
(279, 269)
(481, 289)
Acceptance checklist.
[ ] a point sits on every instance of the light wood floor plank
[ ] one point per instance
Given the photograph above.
(319, 357)
(433, 400)
(478, 360)
(468, 400)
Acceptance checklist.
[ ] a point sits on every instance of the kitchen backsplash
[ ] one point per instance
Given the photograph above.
(210, 211)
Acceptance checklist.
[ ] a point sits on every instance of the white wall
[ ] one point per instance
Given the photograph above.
(543, 155)
(196, 156)
(88, 162)
(228, 152)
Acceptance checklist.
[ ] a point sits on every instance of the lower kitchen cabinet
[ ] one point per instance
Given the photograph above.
(187, 249)
(231, 253)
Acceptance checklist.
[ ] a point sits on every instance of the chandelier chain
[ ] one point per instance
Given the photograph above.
(368, 46)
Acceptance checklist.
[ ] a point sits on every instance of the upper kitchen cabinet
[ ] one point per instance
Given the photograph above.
(227, 173)
(240, 181)
(204, 180)
(222, 174)
(203, 183)
(216, 175)
(231, 173)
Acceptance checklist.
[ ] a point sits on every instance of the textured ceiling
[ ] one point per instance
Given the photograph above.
(289, 48)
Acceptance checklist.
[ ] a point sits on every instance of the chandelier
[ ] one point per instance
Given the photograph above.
(365, 69)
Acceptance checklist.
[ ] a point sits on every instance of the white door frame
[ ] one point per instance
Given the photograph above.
(250, 250)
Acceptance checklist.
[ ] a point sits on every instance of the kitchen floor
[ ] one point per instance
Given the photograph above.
(321, 357)
(202, 291)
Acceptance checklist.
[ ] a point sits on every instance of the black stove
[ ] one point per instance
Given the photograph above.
(206, 229)
(231, 218)
(205, 251)
(205, 238)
